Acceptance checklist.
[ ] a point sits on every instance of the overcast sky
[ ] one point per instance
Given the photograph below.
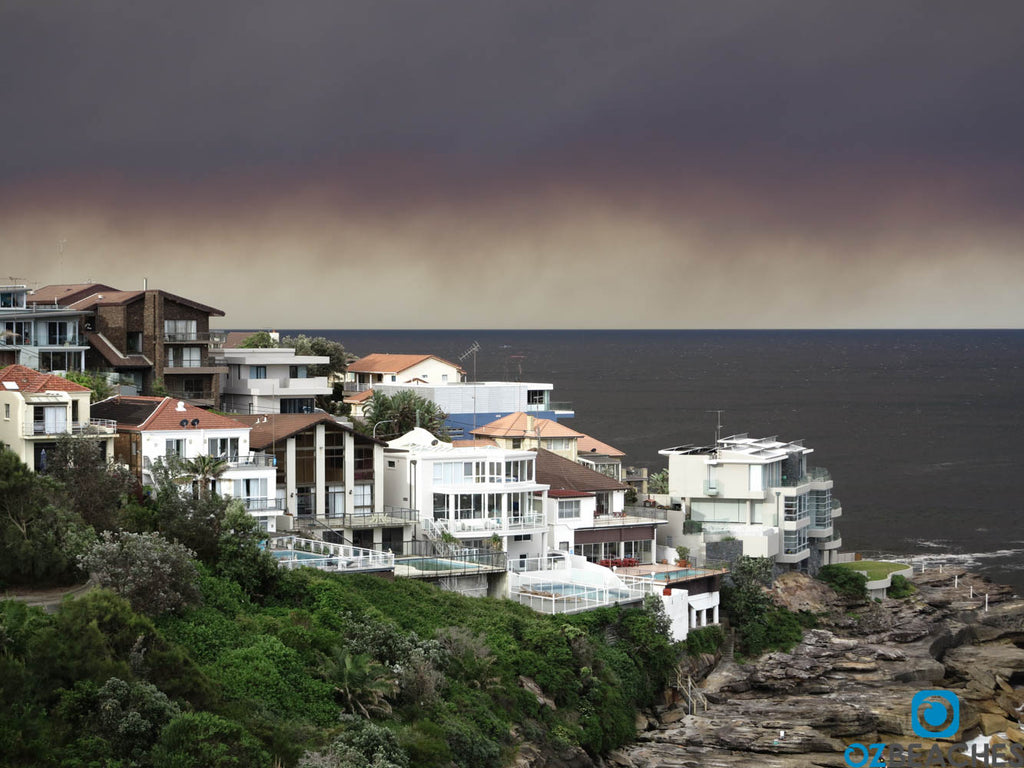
(477, 164)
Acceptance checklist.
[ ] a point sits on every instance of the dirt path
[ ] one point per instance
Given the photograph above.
(48, 599)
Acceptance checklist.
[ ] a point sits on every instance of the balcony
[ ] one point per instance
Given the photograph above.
(835, 541)
(92, 426)
(793, 554)
(631, 516)
(491, 525)
(251, 460)
(261, 504)
(837, 509)
(188, 336)
(295, 552)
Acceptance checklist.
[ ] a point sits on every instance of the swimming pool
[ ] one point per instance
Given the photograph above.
(563, 589)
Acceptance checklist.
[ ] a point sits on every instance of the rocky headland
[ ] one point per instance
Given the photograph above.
(850, 680)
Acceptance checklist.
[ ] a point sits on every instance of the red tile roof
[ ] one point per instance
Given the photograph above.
(269, 428)
(362, 397)
(160, 413)
(587, 444)
(479, 442)
(33, 381)
(563, 474)
(387, 363)
(522, 425)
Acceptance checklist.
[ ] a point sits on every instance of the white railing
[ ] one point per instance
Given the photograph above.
(325, 556)
(493, 524)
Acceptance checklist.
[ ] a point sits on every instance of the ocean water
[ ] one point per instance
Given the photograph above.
(921, 430)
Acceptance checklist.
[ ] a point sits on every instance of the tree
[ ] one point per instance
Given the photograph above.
(258, 340)
(240, 557)
(94, 488)
(153, 574)
(190, 519)
(39, 535)
(323, 347)
(203, 471)
(401, 412)
(100, 386)
(202, 738)
(658, 482)
(359, 682)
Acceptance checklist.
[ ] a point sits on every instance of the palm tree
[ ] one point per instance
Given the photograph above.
(359, 682)
(203, 472)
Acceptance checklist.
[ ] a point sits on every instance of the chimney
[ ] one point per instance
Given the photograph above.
(529, 423)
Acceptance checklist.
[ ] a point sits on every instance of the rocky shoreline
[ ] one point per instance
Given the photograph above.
(851, 680)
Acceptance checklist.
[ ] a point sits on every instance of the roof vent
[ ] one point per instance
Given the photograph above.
(180, 406)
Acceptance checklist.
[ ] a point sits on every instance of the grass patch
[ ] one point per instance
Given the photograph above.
(875, 569)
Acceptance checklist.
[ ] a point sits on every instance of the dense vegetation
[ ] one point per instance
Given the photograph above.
(845, 581)
(761, 625)
(239, 664)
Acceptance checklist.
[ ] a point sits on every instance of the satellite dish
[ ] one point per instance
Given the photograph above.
(183, 423)
(195, 422)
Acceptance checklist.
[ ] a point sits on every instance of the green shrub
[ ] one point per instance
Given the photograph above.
(901, 587)
(704, 640)
(844, 581)
(776, 629)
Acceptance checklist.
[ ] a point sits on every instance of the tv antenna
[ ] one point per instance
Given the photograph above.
(473, 349)
(718, 426)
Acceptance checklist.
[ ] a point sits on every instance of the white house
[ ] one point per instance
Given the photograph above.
(36, 409)
(273, 380)
(329, 479)
(158, 428)
(478, 495)
(587, 516)
(47, 337)
(367, 372)
(470, 404)
(759, 491)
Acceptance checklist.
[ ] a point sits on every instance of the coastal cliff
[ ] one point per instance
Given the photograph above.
(852, 679)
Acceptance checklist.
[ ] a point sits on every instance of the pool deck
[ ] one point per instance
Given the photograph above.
(663, 573)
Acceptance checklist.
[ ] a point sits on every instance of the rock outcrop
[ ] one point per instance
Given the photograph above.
(852, 680)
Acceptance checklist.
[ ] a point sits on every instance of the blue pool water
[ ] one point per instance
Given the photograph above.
(574, 590)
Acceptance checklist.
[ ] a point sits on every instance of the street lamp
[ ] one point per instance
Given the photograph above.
(385, 421)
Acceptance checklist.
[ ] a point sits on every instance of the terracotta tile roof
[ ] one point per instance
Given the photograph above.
(362, 397)
(588, 444)
(271, 427)
(160, 413)
(521, 424)
(32, 381)
(386, 363)
(566, 475)
(65, 294)
(479, 442)
(560, 493)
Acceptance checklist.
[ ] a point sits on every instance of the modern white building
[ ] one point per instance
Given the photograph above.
(47, 337)
(151, 429)
(587, 515)
(273, 380)
(471, 404)
(479, 496)
(36, 409)
(759, 491)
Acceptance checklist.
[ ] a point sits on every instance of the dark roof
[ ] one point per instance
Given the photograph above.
(271, 427)
(564, 474)
(62, 295)
(161, 414)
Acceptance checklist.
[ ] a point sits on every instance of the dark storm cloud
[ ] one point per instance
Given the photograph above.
(194, 89)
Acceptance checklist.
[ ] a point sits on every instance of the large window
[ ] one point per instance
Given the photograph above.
(568, 509)
(224, 447)
(794, 542)
(257, 371)
(180, 330)
(362, 502)
(297, 405)
(557, 443)
(59, 332)
(16, 332)
(175, 448)
(184, 357)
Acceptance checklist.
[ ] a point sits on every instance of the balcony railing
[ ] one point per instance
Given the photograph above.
(261, 504)
(631, 516)
(191, 394)
(391, 516)
(493, 524)
(99, 426)
(187, 336)
(252, 460)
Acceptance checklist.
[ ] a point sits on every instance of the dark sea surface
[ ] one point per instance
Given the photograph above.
(923, 431)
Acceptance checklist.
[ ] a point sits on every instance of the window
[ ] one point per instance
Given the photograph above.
(557, 444)
(568, 509)
(523, 537)
(391, 463)
(297, 405)
(7, 411)
(134, 342)
(536, 397)
(17, 332)
(297, 372)
(363, 499)
(257, 371)
(175, 448)
(57, 332)
(180, 330)
(225, 447)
